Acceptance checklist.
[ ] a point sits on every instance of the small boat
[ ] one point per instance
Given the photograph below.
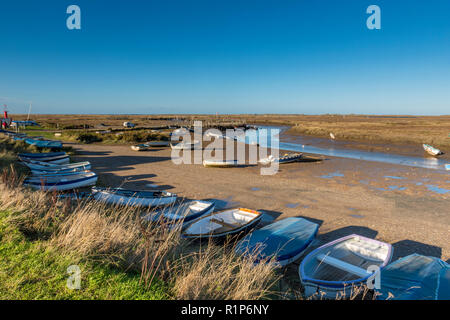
(220, 163)
(281, 242)
(334, 269)
(415, 277)
(140, 147)
(222, 224)
(332, 136)
(185, 145)
(52, 157)
(133, 197)
(44, 143)
(57, 173)
(431, 150)
(182, 213)
(287, 158)
(157, 143)
(61, 183)
(48, 166)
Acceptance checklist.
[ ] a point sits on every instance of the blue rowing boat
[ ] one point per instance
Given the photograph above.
(44, 143)
(281, 242)
(415, 277)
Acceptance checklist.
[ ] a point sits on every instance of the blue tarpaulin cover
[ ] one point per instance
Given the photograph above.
(281, 240)
(416, 277)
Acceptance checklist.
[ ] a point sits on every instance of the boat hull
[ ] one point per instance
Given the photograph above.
(115, 198)
(324, 275)
(52, 184)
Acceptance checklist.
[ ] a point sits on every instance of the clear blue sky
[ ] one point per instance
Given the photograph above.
(226, 56)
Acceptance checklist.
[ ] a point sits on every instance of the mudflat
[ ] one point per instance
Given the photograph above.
(406, 206)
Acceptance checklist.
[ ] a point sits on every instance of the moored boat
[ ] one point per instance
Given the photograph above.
(281, 242)
(431, 150)
(61, 183)
(222, 224)
(133, 197)
(338, 267)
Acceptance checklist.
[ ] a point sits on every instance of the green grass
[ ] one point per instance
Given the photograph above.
(34, 270)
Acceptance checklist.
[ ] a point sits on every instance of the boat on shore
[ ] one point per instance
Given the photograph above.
(220, 163)
(133, 197)
(222, 224)
(61, 183)
(338, 267)
(181, 214)
(185, 145)
(44, 143)
(157, 143)
(51, 157)
(47, 166)
(140, 147)
(415, 277)
(281, 242)
(287, 158)
(431, 150)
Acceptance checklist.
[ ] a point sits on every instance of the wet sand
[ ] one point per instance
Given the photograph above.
(405, 206)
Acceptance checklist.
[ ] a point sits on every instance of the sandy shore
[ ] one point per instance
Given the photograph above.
(398, 204)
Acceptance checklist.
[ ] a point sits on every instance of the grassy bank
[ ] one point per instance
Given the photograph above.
(120, 256)
(113, 137)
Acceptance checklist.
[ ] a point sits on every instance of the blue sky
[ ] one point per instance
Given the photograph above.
(228, 56)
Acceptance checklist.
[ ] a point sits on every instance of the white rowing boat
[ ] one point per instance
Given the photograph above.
(183, 213)
(140, 147)
(336, 268)
(431, 150)
(46, 166)
(51, 157)
(185, 145)
(220, 163)
(222, 224)
(61, 183)
(133, 197)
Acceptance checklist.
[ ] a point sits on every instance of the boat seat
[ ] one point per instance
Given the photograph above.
(225, 224)
(343, 265)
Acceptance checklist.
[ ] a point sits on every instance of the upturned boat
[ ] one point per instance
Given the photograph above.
(61, 183)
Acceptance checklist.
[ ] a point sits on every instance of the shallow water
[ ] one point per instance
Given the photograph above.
(297, 143)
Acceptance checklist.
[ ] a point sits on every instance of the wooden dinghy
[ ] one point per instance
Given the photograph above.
(281, 242)
(185, 145)
(415, 277)
(431, 150)
(133, 197)
(287, 158)
(52, 157)
(220, 163)
(183, 213)
(333, 269)
(222, 224)
(61, 183)
(140, 147)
